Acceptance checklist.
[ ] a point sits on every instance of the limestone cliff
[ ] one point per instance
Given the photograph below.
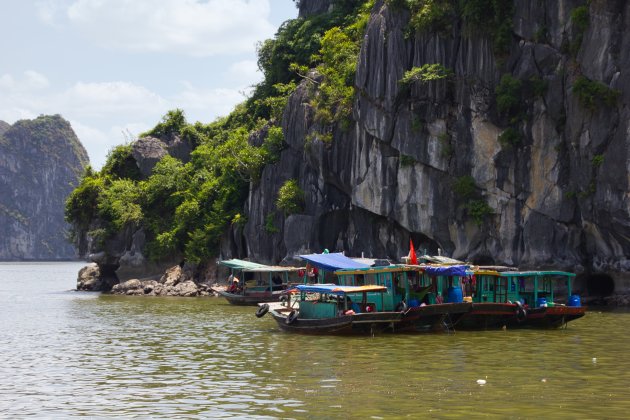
(41, 161)
(558, 197)
(520, 156)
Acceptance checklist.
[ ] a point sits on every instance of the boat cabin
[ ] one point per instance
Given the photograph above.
(533, 288)
(323, 301)
(256, 278)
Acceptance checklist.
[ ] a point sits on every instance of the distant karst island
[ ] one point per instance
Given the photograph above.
(41, 162)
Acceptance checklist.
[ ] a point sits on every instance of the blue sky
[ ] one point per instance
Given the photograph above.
(114, 67)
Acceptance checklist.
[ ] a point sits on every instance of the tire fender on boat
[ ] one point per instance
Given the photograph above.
(401, 307)
(262, 310)
(521, 312)
(292, 317)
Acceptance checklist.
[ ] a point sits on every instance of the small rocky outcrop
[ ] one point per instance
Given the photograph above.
(176, 281)
(89, 278)
(147, 151)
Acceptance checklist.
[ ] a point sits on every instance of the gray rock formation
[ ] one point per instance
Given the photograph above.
(89, 278)
(147, 151)
(175, 282)
(310, 7)
(559, 198)
(41, 161)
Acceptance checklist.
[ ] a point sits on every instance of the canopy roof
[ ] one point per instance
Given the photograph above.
(332, 262)
(249, 266)
(334, 289)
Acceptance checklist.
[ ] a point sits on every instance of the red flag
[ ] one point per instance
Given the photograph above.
(412, 259)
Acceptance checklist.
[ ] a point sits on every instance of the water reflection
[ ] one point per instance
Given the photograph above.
(68, 353)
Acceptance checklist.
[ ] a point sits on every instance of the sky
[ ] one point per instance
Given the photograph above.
(113, 68)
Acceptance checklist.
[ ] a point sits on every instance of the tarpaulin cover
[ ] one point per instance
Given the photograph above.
(334, 289)
(332, 262)
(241, 264)
(449, 270)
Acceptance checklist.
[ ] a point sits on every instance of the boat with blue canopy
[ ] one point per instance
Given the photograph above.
(412, 290)
(335, 309)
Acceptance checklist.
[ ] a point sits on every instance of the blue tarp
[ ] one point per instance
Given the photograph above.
(450, 270)
(332, 262)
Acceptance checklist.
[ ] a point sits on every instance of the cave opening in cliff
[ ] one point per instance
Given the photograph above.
(600, 285)
(424, 245)
(482, 260)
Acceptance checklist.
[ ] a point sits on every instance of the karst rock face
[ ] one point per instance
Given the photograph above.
(41, 161)
(559, 198)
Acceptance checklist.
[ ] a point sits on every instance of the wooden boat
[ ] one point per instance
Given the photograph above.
(410, 292)
(334, 309)
(520, 299)
(256, 282)
(464, 297)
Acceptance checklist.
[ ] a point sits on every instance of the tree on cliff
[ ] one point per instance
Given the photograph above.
(186, 207)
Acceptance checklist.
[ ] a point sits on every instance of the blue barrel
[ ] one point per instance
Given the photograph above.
(541, 301)
(413, 303)
(454, 295)
(574, 300)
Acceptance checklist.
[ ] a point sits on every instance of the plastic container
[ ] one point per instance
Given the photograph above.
(574, 300)
(455, 295)
(541, 301)
(413, 303)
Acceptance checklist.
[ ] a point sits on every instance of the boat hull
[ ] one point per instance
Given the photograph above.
(357, 324)
(249, 299)
(553, 317)
(487, 316)
(433, 317)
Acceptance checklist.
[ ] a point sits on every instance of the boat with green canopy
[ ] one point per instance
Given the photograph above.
(520, 299)
(251, 283)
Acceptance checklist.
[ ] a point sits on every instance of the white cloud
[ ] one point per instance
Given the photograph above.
(31, 80)
(190, 27)
(99, 141)
(111, 98)
(99, 112)
(206, 104)
(245, 72)
(48, 11)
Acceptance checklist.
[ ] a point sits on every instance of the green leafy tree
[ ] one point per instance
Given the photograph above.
(426, 73)
(120, 163)
(172, 123)
(333, 97)
(119, 204)
(290, 197)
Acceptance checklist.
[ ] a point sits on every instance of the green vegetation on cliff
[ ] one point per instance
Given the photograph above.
(185, 208)
(490, 17)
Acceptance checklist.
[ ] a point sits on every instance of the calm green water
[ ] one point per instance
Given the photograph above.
(65, 353)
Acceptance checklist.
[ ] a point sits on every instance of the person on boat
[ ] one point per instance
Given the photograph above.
(352, 306)
(233, 288)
